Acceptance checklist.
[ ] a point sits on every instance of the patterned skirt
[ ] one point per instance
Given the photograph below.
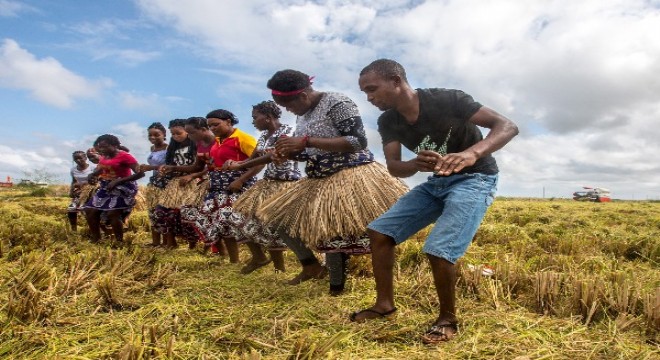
(165, 199)
(248, 204)
(168, 221)
(331, 214)
(215, 217)
(121, 197)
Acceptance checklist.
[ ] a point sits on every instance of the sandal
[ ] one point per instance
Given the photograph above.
(438, 333)
(253, 265)
(384, 314)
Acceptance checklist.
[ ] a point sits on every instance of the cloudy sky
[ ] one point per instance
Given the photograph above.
(580, 78)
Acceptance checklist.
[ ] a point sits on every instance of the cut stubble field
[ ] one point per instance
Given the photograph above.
(543, 279)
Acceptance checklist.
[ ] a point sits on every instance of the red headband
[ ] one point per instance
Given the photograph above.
(294, 92)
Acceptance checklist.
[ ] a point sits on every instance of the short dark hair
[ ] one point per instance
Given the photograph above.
(176, 122)
(79, 152)
(158, 126)
(289, 80)
(108, 138)
(224, 115)
(386, 68)
(268, 108)
(197, 122)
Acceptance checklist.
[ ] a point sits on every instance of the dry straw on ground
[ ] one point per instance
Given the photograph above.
(569, 280)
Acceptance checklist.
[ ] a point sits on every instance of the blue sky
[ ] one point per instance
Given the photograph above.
(580, 79)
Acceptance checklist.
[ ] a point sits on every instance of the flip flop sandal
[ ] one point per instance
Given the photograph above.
(379, 314)
(252, 266)
(438, 333)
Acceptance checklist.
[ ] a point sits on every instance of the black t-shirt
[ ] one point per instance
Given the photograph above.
(442, 126)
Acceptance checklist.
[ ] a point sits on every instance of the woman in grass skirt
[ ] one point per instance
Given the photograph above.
(117, 173)
(266, 118)
(157, 135)
(191, 186)
(344, 189)
(79, 185)
(215, 219)
(87, 191)
(169, 193)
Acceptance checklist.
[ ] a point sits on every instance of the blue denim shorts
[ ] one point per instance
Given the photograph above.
(456, 203)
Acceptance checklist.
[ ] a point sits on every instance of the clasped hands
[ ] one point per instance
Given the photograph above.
(431, 161)
(285, 147)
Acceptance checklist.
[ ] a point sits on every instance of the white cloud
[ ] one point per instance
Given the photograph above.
(10, 8)
(134, 136)
(46, 79)
(105, 39)
(308, 35)
(16, 162)
(107, 28)
(579, 78)
(127, 57)
(149, 104)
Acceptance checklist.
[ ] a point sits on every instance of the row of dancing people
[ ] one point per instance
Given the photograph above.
(204, 186)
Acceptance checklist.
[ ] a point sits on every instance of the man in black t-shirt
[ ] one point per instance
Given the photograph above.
(441, 127)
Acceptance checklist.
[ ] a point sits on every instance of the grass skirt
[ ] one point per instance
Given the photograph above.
(140, 202)
(255, 196)
(332, 213)
(151, 196)
(248, 204)
(85, 192)
(164, 206)
(174, 195)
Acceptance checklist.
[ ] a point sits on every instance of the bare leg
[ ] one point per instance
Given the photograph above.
(382, 259)
(311, 268)
(278, 259)
(155, 238)
(446, 325)
(258, 255)
(258, 260)
(444, 277)
(217, 248)
(94, 221)
(169, 240)
(232, 249)
(114, 218)
(73, 220)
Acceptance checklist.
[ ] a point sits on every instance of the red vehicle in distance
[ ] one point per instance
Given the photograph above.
(595, 194)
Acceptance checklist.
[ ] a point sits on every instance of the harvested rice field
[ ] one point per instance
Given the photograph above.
(544, 279)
